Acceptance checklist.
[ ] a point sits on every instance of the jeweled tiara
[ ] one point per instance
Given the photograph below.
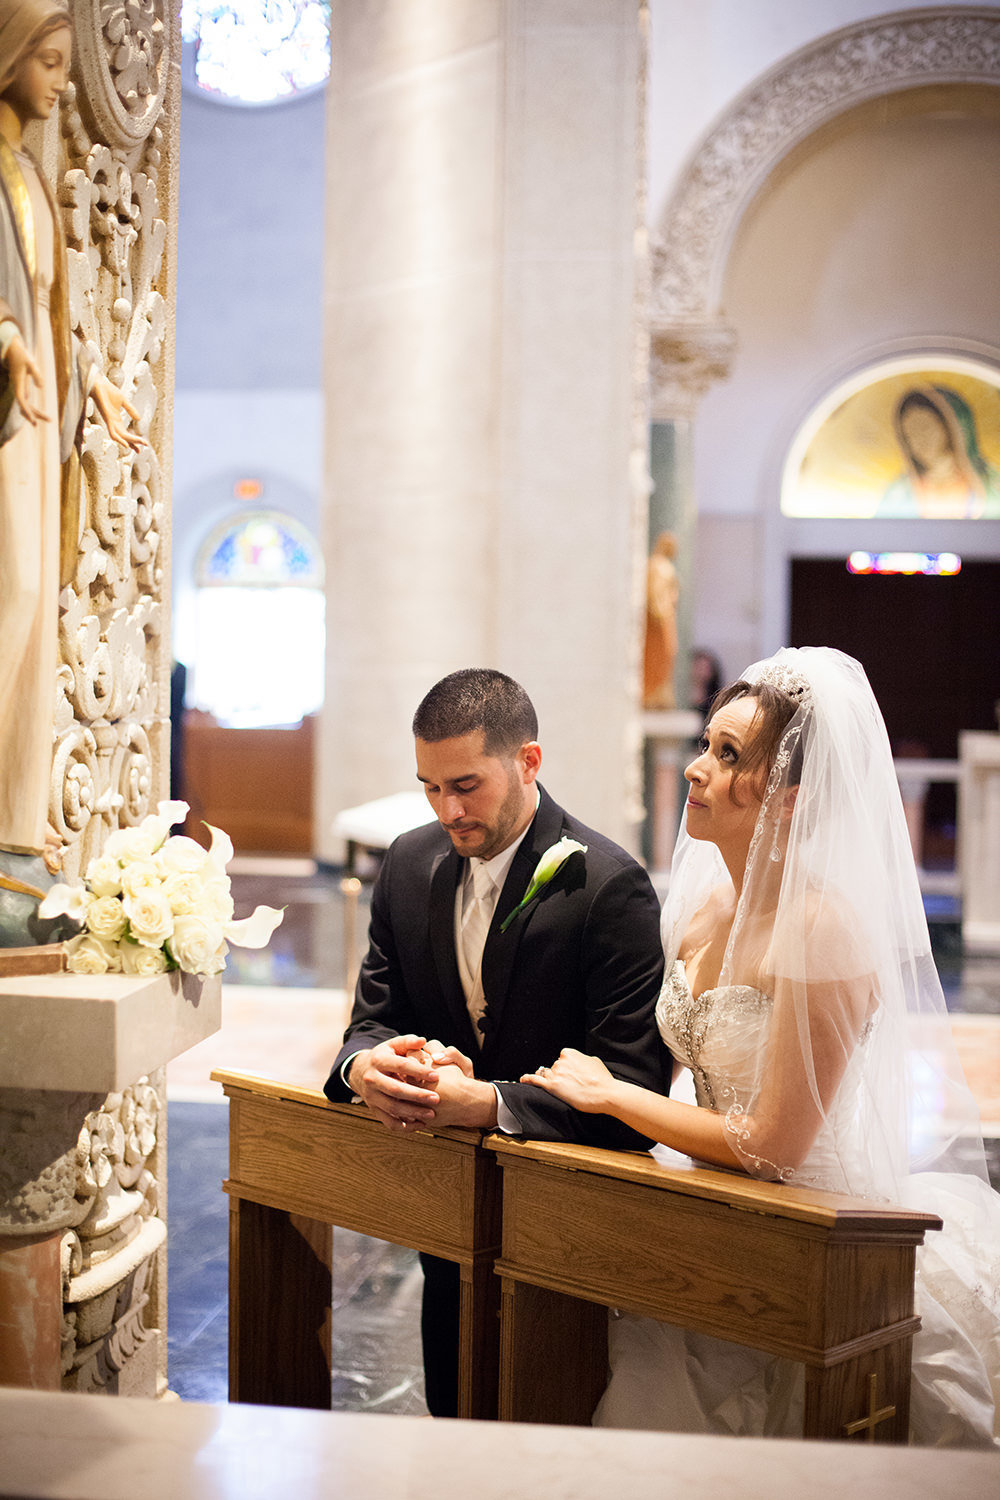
(788, 681)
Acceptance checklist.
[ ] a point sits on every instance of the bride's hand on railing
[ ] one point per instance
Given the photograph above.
(579, 1080)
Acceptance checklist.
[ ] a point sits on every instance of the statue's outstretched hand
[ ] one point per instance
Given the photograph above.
(111, 403)
(22, 370)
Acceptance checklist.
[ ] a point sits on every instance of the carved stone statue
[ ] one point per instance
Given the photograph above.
(46, 377)
(660, 656)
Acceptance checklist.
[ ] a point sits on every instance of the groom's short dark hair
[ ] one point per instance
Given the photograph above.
(478, 698)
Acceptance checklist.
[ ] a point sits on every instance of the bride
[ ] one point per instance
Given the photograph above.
(801, 992)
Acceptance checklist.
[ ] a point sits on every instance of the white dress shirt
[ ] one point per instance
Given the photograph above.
(472, 986)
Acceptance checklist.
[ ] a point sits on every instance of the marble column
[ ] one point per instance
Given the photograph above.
(979, 840)
(485, 499)
(685, 361)
(30, 1307)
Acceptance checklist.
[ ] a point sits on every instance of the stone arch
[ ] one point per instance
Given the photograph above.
(884, 55)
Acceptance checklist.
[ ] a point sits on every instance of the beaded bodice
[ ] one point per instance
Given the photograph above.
(719, 1036)
(716, 1035)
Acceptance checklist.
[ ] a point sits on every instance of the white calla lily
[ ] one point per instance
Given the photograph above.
(172, 813)
(65, 900)
(255, 930)
(221, 850)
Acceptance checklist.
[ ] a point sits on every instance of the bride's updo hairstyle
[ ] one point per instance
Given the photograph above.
(775, 711)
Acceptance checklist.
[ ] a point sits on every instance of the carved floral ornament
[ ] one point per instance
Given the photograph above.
(124, 56)
(106, 719)
(689, 251)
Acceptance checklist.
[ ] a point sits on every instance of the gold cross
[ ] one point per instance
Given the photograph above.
(881, 1414)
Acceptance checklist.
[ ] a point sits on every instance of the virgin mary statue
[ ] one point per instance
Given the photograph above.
(46, 377)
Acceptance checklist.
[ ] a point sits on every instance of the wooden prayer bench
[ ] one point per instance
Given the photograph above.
(820, 1278)
(816, 1277)
(298, 1165)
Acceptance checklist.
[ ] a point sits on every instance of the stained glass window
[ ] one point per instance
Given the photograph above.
(256, 51)
(260, 549)
(260, 622)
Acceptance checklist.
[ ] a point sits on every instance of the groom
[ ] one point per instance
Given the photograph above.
(495, 988)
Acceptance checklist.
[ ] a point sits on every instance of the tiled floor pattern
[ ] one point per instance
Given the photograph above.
(283, 1013)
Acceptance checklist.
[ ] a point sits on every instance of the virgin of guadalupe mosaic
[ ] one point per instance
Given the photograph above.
(910, 439)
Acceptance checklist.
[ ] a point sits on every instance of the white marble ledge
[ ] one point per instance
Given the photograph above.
(85, 1033)
(58, 1446)
(376, 824)
(672, 724)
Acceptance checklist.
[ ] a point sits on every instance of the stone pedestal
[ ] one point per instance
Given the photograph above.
(83, 1174)
(979, 836)
(30, 1301)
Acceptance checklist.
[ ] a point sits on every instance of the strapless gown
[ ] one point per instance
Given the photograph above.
(671, 1379)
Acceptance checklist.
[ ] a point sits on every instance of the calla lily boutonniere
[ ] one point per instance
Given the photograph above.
(547, 867)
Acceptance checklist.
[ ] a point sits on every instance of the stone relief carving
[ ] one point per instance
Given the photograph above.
(41, 1136)
(107, 1256)
(111, 610)
(954, 44)
(105, 1341)
(71, 1162)
(124, 53)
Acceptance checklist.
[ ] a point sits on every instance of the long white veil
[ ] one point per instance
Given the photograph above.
(857, 1080)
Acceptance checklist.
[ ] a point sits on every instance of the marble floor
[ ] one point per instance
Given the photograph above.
(284, 1010)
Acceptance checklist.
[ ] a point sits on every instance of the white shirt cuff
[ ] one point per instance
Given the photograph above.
(507, 1120)
(345, 1068)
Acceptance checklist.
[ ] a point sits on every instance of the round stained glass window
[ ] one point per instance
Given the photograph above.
(258, 51)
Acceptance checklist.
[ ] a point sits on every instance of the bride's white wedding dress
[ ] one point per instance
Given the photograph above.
(668, 1378)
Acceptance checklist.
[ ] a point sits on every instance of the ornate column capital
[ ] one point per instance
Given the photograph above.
(685, 359)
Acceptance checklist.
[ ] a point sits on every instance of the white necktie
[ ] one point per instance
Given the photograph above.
(476, 921)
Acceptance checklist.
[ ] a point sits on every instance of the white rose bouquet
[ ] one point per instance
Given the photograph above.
(151, 902)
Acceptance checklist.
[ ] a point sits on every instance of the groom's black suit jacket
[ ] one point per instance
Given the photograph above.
(580, 967)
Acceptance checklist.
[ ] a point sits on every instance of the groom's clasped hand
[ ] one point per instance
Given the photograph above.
(408, 1081)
